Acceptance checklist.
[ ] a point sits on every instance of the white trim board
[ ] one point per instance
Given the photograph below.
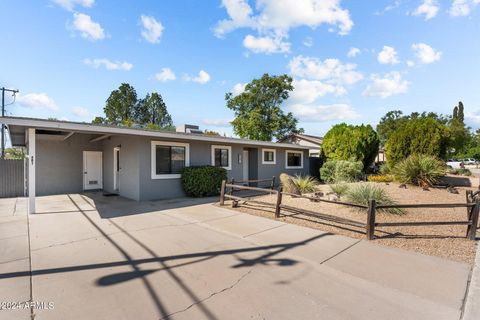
(153, 152)
(286, 159)
(274, 156)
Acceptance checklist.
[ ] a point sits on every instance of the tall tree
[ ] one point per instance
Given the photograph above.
(258, 112)
(120, 105)
(388, 124)
(152, 111)
(460, 134)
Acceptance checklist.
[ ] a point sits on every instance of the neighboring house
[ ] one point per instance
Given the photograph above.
(312, 142)
(140, 164)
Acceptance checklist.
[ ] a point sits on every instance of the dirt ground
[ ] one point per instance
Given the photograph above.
(447, 241)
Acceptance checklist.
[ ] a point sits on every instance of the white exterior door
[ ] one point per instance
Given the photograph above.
(245, 165)
(92, 170)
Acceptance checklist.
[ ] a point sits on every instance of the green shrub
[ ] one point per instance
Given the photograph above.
(363, 193)
(305, 184)
(424, 135)
(203, 181)
(335, 171)
(460, 171)
(420, 170)
(339, 188)
(384, 169)
(348, 142)
(380, 178)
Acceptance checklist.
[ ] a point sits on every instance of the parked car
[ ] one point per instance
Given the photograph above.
(455, 163)
(470, 161)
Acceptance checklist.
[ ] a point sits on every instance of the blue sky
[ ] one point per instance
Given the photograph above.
(351, 60)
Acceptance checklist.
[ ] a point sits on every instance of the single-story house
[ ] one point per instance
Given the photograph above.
(140, 164)
(312, 142)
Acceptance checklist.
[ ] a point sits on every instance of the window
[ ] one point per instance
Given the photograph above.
(221, 157)
(294, 159)
(168, 159)
(269, 156)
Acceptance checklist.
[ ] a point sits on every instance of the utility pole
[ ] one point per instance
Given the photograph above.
(3, 115)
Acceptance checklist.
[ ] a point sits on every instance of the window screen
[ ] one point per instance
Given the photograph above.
(169, 159)
(268, 156)
(221, 157)
(294, 159)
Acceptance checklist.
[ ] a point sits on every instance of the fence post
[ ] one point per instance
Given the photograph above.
(279, 202)
(273, 182)
(472, 231)
(222, 193)
(469, 198)
(231, 189)
(372, 205)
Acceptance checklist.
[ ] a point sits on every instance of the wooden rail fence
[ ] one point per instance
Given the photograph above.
(472, 206)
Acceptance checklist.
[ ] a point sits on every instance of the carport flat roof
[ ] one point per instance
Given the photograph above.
(17, 126)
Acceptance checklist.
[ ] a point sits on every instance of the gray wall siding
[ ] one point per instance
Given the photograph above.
(59, 164)
(266, 171)
(129, 175)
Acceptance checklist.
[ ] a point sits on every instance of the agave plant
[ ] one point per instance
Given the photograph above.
(363, 193)
(305, 184)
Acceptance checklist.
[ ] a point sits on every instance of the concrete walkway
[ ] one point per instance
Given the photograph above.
(95, 257)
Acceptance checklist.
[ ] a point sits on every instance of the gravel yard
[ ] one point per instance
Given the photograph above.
(443, 241)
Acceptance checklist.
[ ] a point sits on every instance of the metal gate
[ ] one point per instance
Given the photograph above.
(12, 178)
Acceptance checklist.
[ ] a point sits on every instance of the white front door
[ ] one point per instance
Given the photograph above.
(92, 170)
(245, 165)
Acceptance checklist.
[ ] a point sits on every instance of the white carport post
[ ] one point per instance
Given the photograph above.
(31, 169)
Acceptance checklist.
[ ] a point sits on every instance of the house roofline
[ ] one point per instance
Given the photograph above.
(83, 127)
(305, 137)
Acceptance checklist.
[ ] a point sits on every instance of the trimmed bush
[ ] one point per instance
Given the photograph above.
(380, 178)
(335, 171)
(354, 143)
(363, 193)
(203, 181)
(424, 135)
(339, 189)
(305, 184)
(286, 181)
(420, 170)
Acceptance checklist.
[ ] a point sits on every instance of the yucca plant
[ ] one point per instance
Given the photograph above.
(420, 170)
(363, 193)
(305, 184)
(339, 188)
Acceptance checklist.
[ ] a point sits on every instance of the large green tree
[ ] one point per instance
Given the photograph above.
(119, 109)
(420, 135)
(459, 133)
(152, 111)
(388, 124)
(258, 110)
(348, 142)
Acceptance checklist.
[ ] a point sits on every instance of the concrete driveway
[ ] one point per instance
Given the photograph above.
(95, 257)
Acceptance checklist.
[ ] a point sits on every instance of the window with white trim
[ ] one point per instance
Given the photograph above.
(269, 156)
(293, 159)
(222, 157)
(169, 159)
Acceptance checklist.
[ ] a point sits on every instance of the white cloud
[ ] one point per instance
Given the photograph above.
(237, 89)
(266, 44)
(410, 63)
(473, 117)
(332, 71)
(308, 42)
(217, 122)
(152, 29)
(388, 55)
(165, 75)
(389, 85)
(307, 91)
(37, 101)
(353, 52)
(202, 78)
(320, 113)
(109, 65)
(87, 27)
(70, 4)
(282, 15)
(388, 8)
(81, 112)
(425, 53)
(461, 8)
(429, 9)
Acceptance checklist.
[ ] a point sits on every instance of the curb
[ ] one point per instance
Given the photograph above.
(472, 299)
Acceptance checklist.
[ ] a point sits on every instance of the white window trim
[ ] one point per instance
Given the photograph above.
(274, 156)
(286, 159)
(154, 155)
(229, 148)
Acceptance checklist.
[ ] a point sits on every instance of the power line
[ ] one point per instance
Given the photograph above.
(14, 92)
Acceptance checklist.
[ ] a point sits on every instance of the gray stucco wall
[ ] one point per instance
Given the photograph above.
(59, 164)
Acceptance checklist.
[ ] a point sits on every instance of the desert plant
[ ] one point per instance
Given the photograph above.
(348, 142)
(287, 184)
(340, 189)
(203, 181)
(384, 169)
(335, 171)
(380, 178)
(420, 170)
(305, 184)
(363, 193)
(460, 171)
